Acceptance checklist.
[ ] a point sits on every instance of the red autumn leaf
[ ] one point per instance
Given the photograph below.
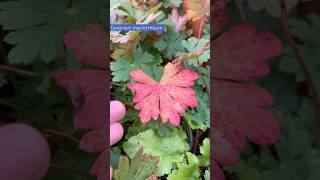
(89, 45)
(240, 54)
(168, 98)
(87, 89)
(100, 167)
(239, 113)
(89, 86)
(95, 140)
(198, 11)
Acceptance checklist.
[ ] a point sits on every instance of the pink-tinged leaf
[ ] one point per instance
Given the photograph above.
(169, 98)
(198, 12)
(179, 21)
(116, 37)
(100, 167)
(217, 172)
(239, 108)
(95, 140)
(239, 113)
(87, 89)
(142, 77)
(89, 45)
(223, 151)
(241, 53)
(198, 26)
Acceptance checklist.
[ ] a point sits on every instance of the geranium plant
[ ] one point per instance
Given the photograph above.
(262, 88)
(163, 79)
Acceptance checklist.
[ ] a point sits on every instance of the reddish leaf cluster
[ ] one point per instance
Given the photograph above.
(240, 55)
(169, 98)
(179, 21)
(87, 89)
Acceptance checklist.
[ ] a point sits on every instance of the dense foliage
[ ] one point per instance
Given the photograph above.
(284, 136)
(53, 58)
(66, 47)
(163, 79)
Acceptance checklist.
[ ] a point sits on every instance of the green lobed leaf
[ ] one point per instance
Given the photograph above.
(45, 84)
(194, 123)
(207, 174)
(309, 49)
(205, 71)
(311, 24)
(199, 118)
(170, 149)
(41, 24)
(193, 45)
(295, 155)
(122, 67)
(115, 153)
(289, 64)
(170, 43)
(140, 167)
(189, 171)
(154, 71)
(244, 170)
(204, 158)
(25, 13)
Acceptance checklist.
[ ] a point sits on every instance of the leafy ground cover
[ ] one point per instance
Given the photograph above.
(264, 85)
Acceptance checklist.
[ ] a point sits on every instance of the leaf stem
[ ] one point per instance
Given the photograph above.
(128, 104)
(63, 134)
(117, 84)
(201, 27)
(35, 114)
(202, 78)
(12, 105)
(196, 141)
(16, 70)
(312, 88)
(189, 131)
